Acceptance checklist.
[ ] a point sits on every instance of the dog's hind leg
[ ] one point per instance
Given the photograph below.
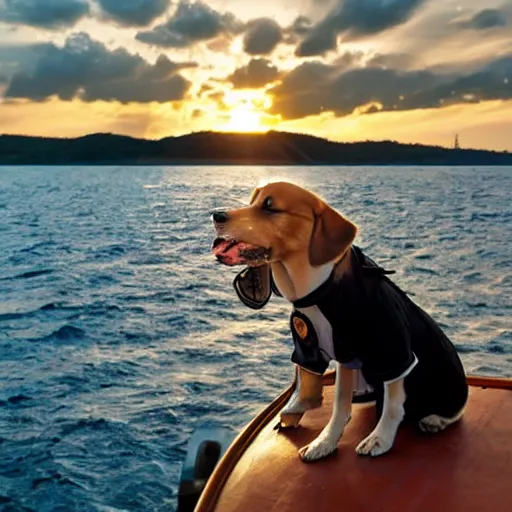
(308, 395)
(435, 423)
(327, 441)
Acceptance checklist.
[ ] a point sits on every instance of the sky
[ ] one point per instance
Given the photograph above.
(415, 71)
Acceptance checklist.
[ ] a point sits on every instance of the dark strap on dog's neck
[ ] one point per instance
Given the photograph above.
(361, 264)
(313, 298)
(317, 294)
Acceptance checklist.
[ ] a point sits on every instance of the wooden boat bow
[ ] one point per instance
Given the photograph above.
(466, 468)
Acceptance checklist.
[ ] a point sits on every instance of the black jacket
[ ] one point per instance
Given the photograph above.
(376, 327)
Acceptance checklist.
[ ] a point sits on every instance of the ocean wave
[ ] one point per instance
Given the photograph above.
(90, 423)
(467, 348)
(91, 309)
(66, 332)
(15, 400)
(5, 317)
(30, 274)
(38, 245)
(421, 270)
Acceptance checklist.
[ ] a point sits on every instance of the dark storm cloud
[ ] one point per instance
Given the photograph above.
(354, 18)
(314, 87)
(491, 82)
(485, 19)
(257, 73)
(300, 27)
(86, 69)
(133, 12)
(262, 36)
(191, 23)
(50, 14)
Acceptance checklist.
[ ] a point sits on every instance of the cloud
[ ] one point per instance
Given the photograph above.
(87, 70)
(191, 23)
(391, 60)
(133, 12)
(49, 14)
(315, 87)
(300, 27)
(355, 18)
(262, 36)
(257, 73)
(491, 82)
(483, 20)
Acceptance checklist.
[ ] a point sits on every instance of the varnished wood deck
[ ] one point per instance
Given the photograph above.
(467, 468)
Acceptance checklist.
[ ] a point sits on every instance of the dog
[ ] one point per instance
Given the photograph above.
(345, 309)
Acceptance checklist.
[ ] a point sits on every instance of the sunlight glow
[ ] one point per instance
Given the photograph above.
(244, 120)
(246, 111)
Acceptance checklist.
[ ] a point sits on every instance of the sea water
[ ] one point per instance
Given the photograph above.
(120, 334)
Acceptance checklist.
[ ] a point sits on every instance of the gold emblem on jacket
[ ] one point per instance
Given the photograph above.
(300, 327)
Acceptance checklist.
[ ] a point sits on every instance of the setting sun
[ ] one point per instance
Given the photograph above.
(244, 120)
(246, 111)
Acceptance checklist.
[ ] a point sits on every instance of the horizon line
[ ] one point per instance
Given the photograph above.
(251, 134)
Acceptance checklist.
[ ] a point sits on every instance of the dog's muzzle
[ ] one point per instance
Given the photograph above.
(230, 251)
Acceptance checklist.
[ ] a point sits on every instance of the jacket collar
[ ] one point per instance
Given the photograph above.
(314, 297)
(362, 266)
(311, 299)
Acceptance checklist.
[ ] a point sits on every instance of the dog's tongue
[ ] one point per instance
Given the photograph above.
(229, 251)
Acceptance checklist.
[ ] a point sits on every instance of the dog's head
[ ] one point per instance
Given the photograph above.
(281, 221)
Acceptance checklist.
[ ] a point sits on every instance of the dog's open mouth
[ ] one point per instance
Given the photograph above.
(230, 251)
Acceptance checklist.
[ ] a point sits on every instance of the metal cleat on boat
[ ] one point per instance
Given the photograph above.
(205, 448)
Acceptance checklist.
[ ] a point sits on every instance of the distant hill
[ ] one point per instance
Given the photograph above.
(279, 148)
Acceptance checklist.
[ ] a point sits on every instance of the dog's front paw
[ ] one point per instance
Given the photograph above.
(375, 444)
(290, 420)
(318, 449)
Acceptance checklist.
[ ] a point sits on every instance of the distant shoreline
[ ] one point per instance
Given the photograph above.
(193, 163)
(233, 149)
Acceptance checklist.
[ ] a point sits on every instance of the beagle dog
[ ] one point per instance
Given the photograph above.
(346, 310)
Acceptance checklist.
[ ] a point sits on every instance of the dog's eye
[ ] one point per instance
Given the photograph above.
(268, 205)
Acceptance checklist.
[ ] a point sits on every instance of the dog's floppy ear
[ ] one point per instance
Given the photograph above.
(253, 286)
(331, 237)
(254, 195)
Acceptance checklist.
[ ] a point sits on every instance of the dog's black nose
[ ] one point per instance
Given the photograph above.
(220, 217)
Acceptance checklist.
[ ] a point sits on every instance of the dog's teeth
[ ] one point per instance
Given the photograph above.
(231, 244)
